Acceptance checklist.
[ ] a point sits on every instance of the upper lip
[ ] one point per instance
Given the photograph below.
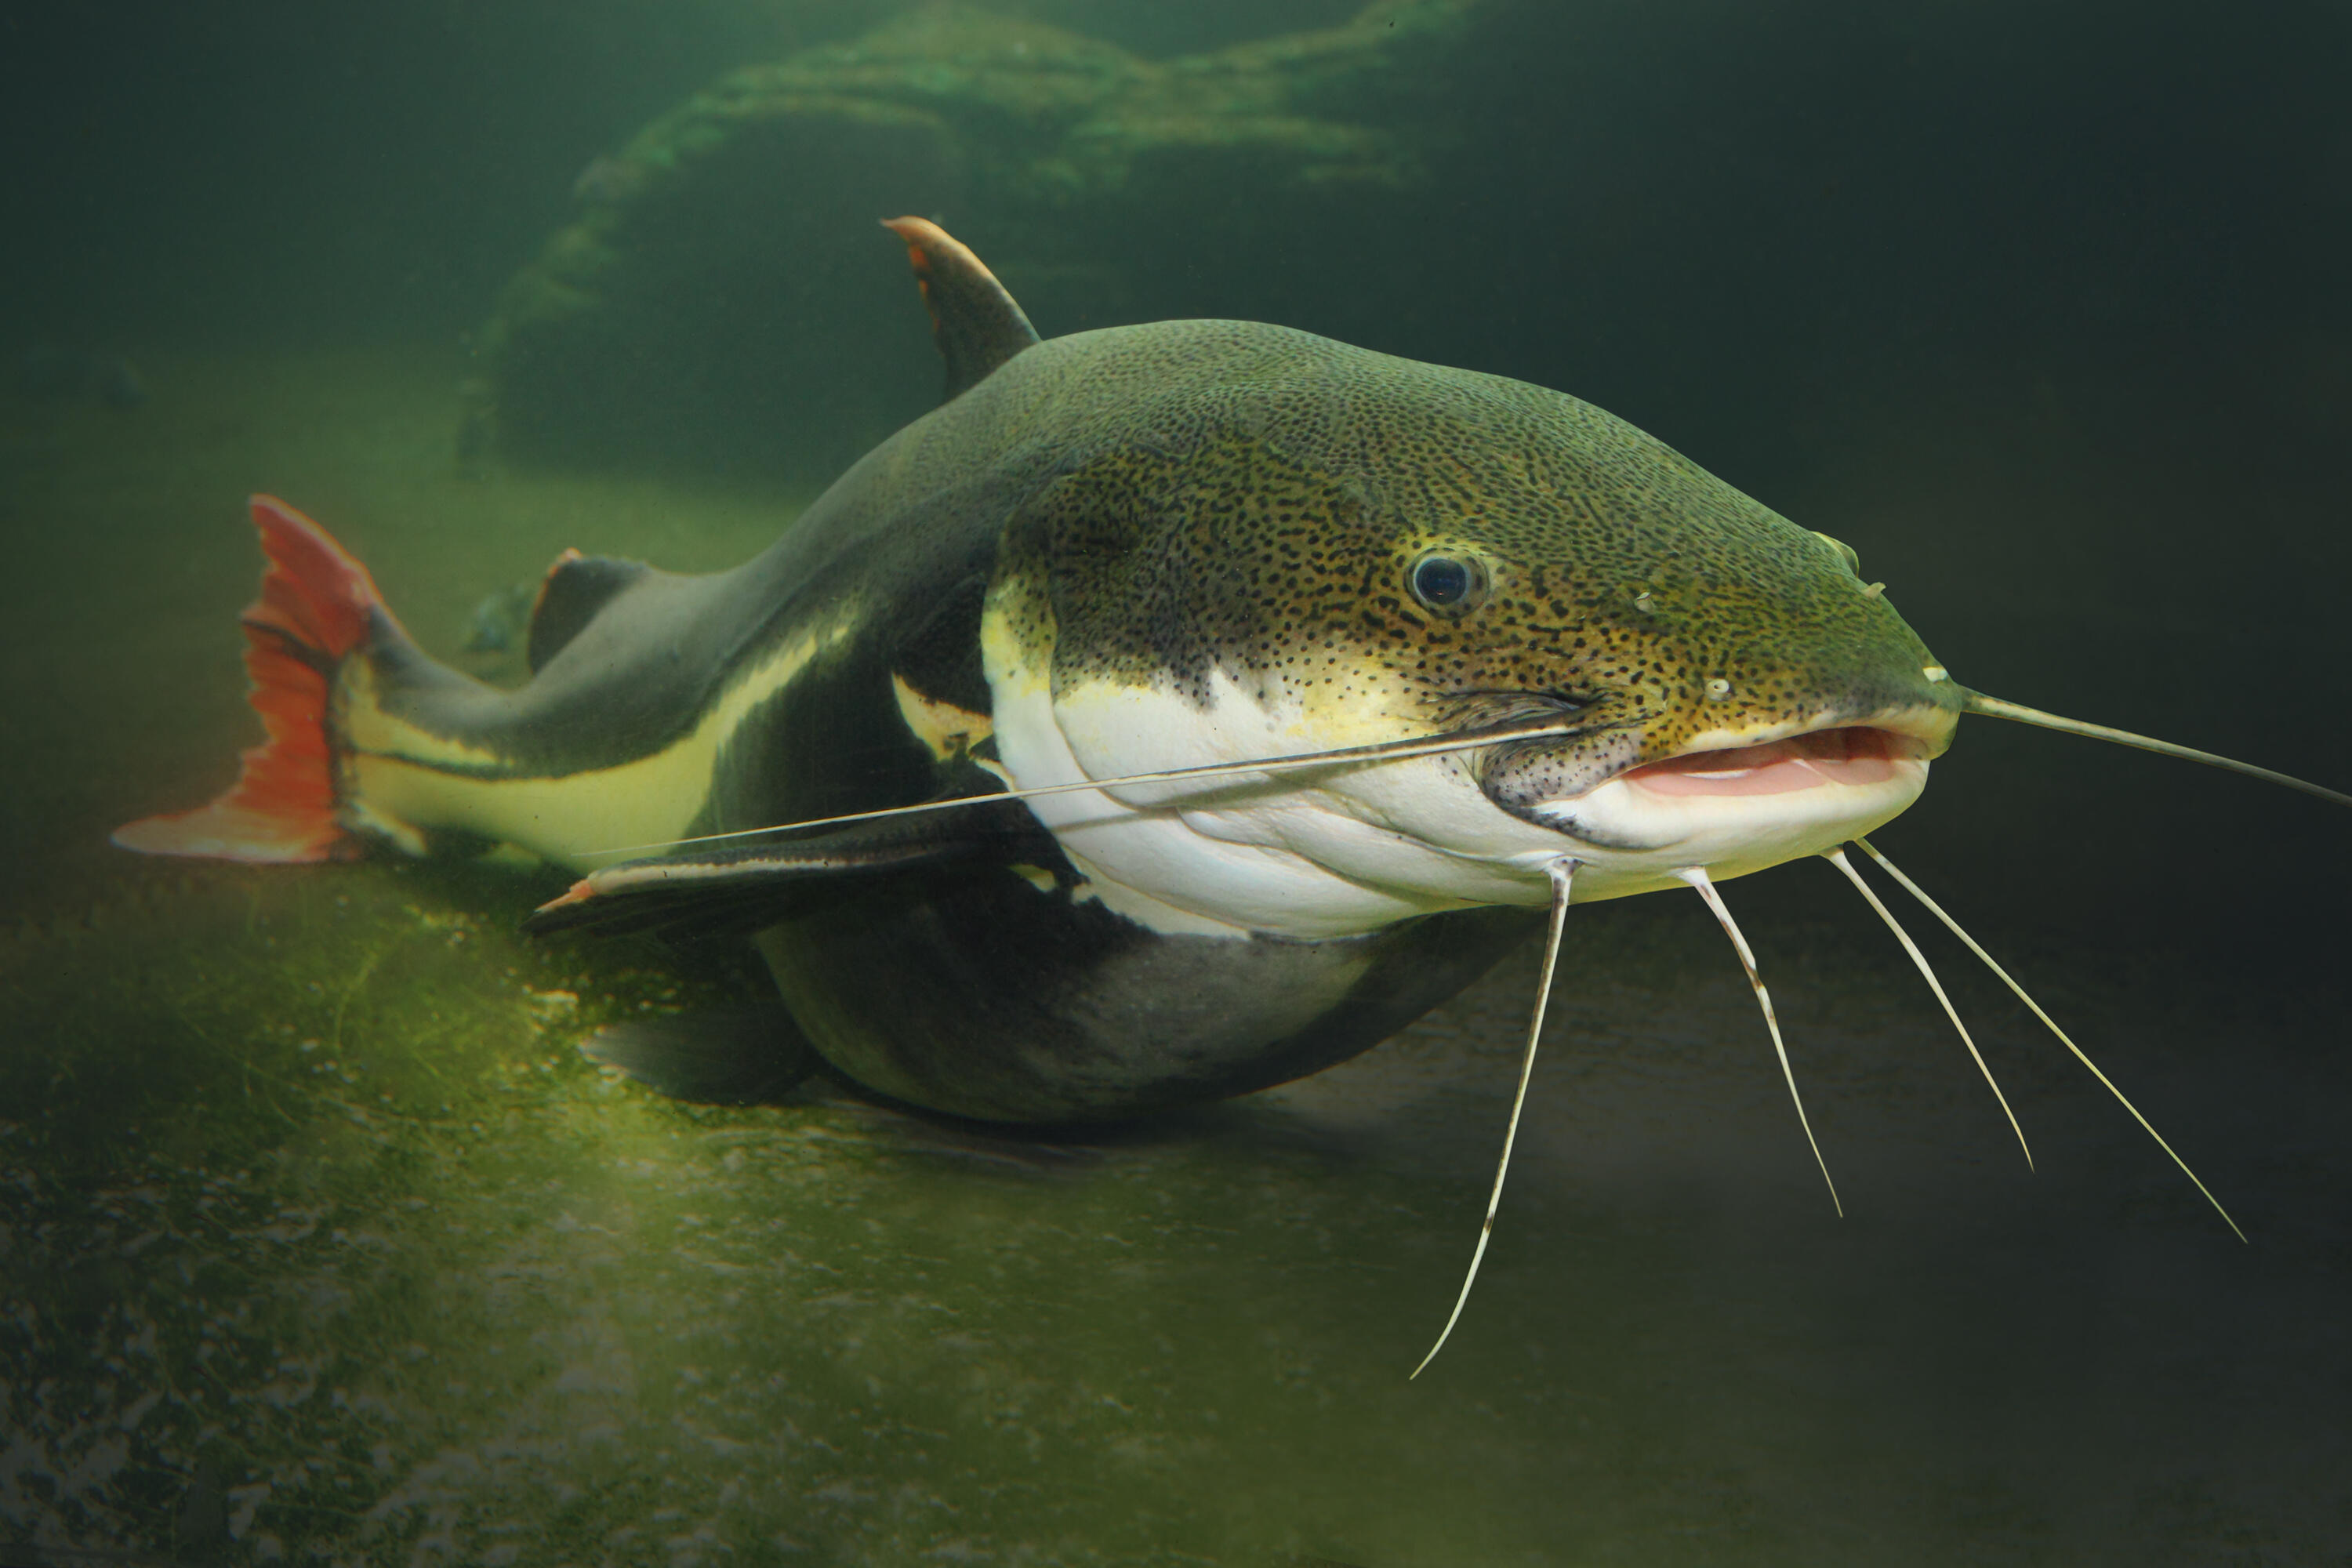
(1606, 745)
(1922, 721)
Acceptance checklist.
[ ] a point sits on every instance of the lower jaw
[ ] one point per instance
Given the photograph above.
(1629, 840)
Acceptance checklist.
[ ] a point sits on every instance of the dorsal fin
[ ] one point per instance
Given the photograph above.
(577, 586)
(976, 323)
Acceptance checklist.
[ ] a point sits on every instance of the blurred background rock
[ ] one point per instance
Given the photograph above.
(720, 297)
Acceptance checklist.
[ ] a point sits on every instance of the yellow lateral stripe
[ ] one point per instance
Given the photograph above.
(364, 726)
(940, 725)
(397, 771)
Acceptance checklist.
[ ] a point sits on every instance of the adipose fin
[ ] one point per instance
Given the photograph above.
(577, 589)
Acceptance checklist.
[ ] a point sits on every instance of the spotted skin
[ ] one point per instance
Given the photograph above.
(1253, 500)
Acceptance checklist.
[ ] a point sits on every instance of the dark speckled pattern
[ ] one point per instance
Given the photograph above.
(1253, 498)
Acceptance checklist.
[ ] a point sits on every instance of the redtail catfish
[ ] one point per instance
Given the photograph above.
(1177, 709)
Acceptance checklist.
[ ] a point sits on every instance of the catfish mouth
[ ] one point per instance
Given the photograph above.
(1739, 804)
(1852, 754)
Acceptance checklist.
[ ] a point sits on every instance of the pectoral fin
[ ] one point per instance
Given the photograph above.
(740, 890)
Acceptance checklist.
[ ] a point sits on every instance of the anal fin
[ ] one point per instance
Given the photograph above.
(733, 1055)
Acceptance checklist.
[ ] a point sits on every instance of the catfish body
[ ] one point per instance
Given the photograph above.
(1151, 547)
(842, 671)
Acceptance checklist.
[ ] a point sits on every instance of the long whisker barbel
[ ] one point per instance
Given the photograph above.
(2121, 1098)
(1995, 707)
(1378, 752)
(1460, 741)
(1563, 873)
(1837, 858)
(1697, 878)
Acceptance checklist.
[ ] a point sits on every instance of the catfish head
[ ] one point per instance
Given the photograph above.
(1330, 549)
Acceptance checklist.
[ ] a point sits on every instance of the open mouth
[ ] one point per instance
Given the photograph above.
(1852, 754)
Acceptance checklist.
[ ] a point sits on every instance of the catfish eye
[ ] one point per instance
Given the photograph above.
(1447, 583)
(1852, 559)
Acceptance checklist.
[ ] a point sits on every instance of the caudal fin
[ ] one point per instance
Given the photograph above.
(317, 606)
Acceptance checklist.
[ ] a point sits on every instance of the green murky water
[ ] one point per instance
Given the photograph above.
(320, 1242)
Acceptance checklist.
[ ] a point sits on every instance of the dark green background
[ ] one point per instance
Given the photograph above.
(2041, 306)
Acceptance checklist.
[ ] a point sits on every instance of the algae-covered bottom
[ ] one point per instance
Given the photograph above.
(319, 1241)
(323, 1241)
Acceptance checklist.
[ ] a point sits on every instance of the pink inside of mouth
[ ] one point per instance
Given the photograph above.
(1854, 755)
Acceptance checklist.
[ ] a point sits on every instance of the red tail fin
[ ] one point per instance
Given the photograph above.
(315, 605)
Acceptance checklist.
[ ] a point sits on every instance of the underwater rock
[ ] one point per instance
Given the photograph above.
(722, 299)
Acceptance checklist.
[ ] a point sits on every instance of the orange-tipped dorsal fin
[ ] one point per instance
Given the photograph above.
(318, 604)
(977, 325)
